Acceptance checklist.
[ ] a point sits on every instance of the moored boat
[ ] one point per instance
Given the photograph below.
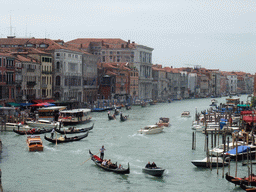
(35, 143)
(43, 124)
(248, 188)
(98, 162)
(158, 171)
(210, 161)
(241, 180)
(11, 126)
(151, 129)
(75, 116)
(66, 139)
(73, 130)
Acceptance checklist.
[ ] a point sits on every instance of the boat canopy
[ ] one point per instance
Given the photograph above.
(240, 149)
(249, 119)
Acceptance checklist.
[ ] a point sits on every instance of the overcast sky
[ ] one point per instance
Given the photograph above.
(216, 34)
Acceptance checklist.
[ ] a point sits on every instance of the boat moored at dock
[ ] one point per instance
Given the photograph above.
(75, 116)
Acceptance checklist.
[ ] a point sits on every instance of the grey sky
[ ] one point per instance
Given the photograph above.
(216, 34)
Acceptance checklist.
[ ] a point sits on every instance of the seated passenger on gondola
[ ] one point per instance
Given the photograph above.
(104, 162)
(153, 165)
(148, 165)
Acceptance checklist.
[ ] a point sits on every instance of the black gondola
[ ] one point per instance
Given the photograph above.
(67, 139)
(111, 117)
(123, 118)
(98, 162)
(73, 131)
(235, 180)
(36, 132)
(248, 188)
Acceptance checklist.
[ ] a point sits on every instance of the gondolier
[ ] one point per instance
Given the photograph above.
(52, 133)
(102, 152)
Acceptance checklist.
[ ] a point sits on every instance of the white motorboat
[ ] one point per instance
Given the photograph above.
(210, 161)
(11, 126)
(158, 171)
(43, 124)
(151, 129)
(185, 114)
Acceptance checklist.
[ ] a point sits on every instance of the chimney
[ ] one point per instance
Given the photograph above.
(129, 42)
(81, 46)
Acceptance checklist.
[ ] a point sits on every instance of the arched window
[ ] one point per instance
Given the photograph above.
(58, 81)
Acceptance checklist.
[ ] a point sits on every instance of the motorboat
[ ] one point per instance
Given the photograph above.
(41, 123)
(151, 129)
(185, 114)
(163, 121)
(35, 143)
(157, 171)
(210, 161)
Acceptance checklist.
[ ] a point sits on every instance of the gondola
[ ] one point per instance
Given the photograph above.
(98, 162)
(248, 188)
(73, 131)
(111, 117)
(123, 118)
(67, 139)
(36, 132)
(239, 180)
(128, 107)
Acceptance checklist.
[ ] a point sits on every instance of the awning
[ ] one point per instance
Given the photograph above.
(25, 104)
(247, 112)
(240, 149)
(49, 100)
(13, 104)
(37, 101)
(248, 119)
(244, 105)
(42, 105)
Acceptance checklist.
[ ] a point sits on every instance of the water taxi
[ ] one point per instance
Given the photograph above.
(35, 143)
(185, 114)
(163, 121)
(151, 129)
(75, 116)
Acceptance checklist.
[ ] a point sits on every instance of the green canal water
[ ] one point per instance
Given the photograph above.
(62, 167)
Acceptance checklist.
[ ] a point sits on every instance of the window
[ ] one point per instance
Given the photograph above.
(103, 52)
(0, 62)
(58, 65)
(118, 59)
(111, 52)
(118, 53)
(57, 54)
(103, 59)
(58, 81)
(110, 58)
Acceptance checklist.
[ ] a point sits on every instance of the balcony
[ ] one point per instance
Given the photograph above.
(31, 83)
(44, 86)
(10, 67)
(30, 70)
(47, 72)
(10, 82)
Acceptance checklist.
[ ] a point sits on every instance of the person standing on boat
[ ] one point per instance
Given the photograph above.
(102, 152)
(52, 133)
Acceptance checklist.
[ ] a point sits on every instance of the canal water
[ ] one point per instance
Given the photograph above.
(65, 167)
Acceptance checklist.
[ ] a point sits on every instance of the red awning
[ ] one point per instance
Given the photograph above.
(247, 112)
(249, 119)
(49, 100)
(37, 101)
(40, 105)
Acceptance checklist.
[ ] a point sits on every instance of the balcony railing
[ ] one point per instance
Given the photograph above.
(47, 72)
(10, 67)
(44, 85)
(31, 83)
(30, 70)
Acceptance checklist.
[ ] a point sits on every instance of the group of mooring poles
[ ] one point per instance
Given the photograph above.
(215, 141)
